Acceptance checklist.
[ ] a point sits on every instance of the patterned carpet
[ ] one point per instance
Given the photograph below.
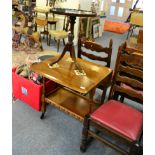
(22, 57)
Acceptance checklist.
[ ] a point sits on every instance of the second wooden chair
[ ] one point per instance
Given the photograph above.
(42, 23)
(93, 51)
(118, 120)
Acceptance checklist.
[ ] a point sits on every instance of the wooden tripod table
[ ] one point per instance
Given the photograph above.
(72, 13)
(68, 97)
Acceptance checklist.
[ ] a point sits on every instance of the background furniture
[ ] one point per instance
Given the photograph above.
(60, 34)
(114, 118)
(134, 7)
(42, 10)
(42, 23)
(84, 27)
(26, 6)
(136, 20)
(116, 27)
(85, 45)
(89, 27)
(52, 21)
(94, 27)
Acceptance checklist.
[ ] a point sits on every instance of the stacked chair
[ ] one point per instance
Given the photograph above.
(60, 34)
(122, 121)
(42, 23)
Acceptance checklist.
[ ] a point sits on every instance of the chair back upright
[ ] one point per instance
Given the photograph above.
(87, 48)
(66, 24)
(128, 76)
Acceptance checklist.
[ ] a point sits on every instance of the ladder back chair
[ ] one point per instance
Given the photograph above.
(42, 23)
(90, 50)
(121, 121)
(60, 34)
(128, 75)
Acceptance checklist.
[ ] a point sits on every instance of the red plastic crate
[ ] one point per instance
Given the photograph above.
(29, 92)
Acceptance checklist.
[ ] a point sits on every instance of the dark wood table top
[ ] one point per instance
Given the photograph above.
(65, 75)
(72, 12)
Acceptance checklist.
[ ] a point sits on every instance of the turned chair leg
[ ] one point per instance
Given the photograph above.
(58, 44)
(64, 42)
(42, 115)
(85, 134)
(49, 40)
(41, 46)
(135, 149)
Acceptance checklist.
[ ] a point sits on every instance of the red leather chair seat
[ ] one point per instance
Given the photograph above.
(119, 117)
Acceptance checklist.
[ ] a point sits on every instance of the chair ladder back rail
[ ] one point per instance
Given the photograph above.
(93, 57)
(132, 59)
(95, 47)
(129, 93)
(130, 63)
(131, 71)
(129, 81)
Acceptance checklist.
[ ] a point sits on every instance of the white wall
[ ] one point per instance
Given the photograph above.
(85, 4)
(139, 4)
(70, 4)
(40, 2)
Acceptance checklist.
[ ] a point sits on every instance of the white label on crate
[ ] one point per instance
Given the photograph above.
(24, 90)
